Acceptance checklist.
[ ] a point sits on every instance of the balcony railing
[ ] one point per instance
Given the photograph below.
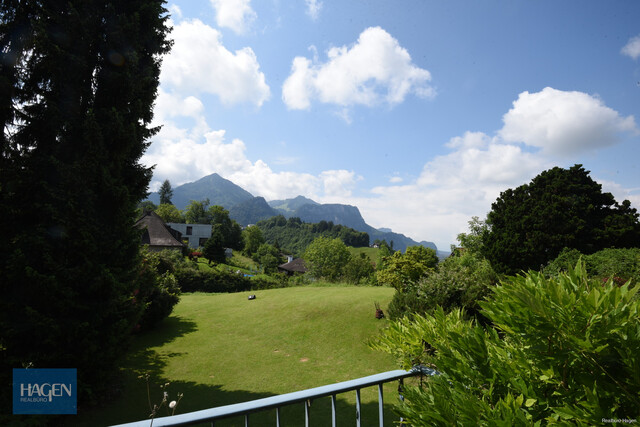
(304, 396)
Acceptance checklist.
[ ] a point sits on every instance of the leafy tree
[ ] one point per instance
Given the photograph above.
(529, 225)
(472, 242)
(358, 269)
(230, 229)
(564, 351)
(166, 193)
(269, 258)
(402, 270)
(196, 212)
(325, 258)
(214, 248)
(81, 78)
(169, 213)
(253, 238)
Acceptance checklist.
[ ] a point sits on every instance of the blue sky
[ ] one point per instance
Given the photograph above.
(418, 112)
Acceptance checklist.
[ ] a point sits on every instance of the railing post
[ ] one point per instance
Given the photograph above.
(278, 416)
(380, 405)
(333, 411)
(246, 420)
(306, 413)
(358, 413)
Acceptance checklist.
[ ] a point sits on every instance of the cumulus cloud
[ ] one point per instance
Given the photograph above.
(313, 8)
(376, 69)
(632, 48)
(236, 15)
(450, 189)
(186, 149)
(199, 63)
(563, 123)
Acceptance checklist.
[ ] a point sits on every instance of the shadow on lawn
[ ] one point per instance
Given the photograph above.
(133, 403)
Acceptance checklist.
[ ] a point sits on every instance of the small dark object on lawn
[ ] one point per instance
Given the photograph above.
(379, 312)
(252, 297)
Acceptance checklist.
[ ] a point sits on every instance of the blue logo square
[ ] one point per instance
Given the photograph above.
(45, 391)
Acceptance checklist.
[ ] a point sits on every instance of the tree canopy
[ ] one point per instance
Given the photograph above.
(79, 79)
(529, 225)
(326, 257)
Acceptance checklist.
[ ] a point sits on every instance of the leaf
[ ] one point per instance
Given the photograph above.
(530, 402)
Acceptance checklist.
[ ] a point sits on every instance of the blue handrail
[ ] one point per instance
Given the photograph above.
(246, 408)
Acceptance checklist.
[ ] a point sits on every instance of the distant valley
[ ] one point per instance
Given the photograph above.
(247, 209)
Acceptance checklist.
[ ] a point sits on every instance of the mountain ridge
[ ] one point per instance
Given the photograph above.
(247, 209)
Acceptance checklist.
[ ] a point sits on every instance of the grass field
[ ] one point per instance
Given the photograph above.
(220, 349)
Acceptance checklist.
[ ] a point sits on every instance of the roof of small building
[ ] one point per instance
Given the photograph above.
(156, 232)
(297, 266)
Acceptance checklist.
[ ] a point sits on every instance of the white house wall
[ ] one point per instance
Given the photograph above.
(196, 233)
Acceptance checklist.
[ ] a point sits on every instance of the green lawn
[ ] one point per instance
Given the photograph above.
(220, 349)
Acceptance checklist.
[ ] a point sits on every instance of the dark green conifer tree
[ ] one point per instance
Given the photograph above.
(82, 76)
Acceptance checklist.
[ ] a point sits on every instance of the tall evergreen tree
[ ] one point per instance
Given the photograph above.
(165, 192)
(560, 208)
(82, 78)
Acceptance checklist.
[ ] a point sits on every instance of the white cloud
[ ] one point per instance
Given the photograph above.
(199, 63)
(450, 189)
(175, 11)
(313, 8)
(376, 69)
(234, 14)
(632, 48)
(187, 152)
(563, 123)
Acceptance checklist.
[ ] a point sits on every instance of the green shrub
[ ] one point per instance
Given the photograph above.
(620, 264)
(215, 281)
(457, 282)
(157, 288)
(565, 350)
(358, 270)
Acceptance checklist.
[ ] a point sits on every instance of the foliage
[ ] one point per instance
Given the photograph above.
(358, 270)
(169, 213)
(403, 270)
(215, 280)
(472, 242)
(158, 291)
(560, 208)
(252, 237)
(294, 236)
(325, 258)
(268, 257)
(214, 247)
(457, 282)
(166, 193)
(229, 229)
(619, 264)
(564, 350)
(196, 212)
(79, 82)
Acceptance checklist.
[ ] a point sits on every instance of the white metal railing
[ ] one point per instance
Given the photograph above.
(303, 396)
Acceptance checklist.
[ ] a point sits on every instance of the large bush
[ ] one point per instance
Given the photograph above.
(565, 350)
(619, 264)
(158, 291)
(457, 282)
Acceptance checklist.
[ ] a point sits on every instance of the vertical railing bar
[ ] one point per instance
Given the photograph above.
(333, 411)
(358, 407)
(277, 416)
(246, 420)
(380, 405)
(306, 413)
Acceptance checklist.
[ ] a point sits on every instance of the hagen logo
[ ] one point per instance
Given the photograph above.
(44, 391)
